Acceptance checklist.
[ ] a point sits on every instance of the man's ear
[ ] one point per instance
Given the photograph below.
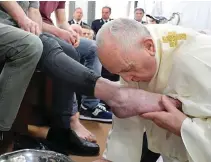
(148, 45)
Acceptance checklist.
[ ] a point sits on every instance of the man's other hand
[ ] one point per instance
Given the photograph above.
(69, 37)
(77, 28)
(171, 119)
(30, 26)
(175, 102)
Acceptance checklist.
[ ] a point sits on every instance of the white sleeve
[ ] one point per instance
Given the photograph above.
(190, 80)
(196, 135)
(124, 143)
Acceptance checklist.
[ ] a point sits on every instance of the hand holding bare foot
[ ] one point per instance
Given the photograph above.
(80, 130)
(126, 102)
(138, 102)
(176, 103)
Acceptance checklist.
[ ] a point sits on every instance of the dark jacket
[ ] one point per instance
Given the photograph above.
(81, 24)
(97, 24)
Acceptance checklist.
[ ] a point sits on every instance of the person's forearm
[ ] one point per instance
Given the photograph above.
(34, 14)
(51, 29)
(14, 10)
(127, 102)
(64, 25)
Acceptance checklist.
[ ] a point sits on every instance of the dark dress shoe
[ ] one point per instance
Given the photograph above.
(68, 140)
(27, 142)
(6, 141)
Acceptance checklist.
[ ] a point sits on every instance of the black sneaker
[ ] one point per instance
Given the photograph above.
(99, 113)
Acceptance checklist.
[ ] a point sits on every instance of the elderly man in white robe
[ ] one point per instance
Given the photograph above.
(162, 59)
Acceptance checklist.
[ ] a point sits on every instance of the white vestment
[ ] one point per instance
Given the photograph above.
(183, 72)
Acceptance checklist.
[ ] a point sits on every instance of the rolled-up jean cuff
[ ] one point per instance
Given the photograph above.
(91, 82)
(74, 110)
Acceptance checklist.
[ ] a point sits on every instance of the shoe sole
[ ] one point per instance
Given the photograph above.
(95, 119)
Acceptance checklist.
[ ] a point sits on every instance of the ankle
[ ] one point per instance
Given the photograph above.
(39, 132)
(75, 118)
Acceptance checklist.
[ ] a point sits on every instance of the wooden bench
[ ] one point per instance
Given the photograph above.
(37, 98)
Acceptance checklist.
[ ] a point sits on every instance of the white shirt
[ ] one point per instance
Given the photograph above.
(106, 20)
(77, 22)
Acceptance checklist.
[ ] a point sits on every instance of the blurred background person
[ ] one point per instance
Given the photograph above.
(87, 32)
(139, 14)
(77, 17)
(98, 23)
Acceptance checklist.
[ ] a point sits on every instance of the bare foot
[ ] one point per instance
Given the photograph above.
(80, 130)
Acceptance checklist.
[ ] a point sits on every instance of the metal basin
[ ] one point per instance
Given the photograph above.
(34, 156)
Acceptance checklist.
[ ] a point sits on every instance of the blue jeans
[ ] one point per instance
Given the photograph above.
(88, 52)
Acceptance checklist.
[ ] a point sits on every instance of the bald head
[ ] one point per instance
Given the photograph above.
(125, 47)
(125, 32)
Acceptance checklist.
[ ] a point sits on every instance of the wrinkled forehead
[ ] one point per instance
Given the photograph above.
(105, 10)
(86, 30)
(139, 12)
(78, 11)
(112, 58)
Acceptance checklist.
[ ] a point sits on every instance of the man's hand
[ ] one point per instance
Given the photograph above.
(176, 103)
(69, 37)
(126, 102)
(77, 41)
(28, 25)
(17, 13)
(171, 119)
(77, 28)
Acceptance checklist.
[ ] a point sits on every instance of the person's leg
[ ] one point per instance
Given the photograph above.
(62, 95)
(64, 109)
(76, 124)
(22, 51)
(91, 109)
(57, 64)
(72, 76)
(87, 50)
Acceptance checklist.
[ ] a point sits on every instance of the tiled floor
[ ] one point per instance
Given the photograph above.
(101, 131)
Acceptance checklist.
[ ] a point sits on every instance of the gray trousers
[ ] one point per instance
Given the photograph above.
(20, 52)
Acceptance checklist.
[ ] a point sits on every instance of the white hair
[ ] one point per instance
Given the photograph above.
(126, 32)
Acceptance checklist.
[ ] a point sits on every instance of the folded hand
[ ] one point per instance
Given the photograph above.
(30, 26)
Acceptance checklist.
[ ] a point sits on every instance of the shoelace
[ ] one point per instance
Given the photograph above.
(101, 107)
